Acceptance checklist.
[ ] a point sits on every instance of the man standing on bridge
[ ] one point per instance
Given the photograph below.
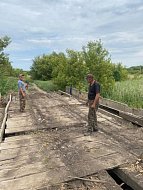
(93, 103)
(22, 92)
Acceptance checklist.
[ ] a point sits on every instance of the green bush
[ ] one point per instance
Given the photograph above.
(8, 84)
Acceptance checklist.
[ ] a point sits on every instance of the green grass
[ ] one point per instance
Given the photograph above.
(7, 85)
(46, 85)
(129, 92)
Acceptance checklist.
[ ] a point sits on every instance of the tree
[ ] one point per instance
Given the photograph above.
(71, 70)
(99, 63)
(45, 67)
(41, 68)
(5, 65)
(119, 72)
(4, 41)
(76, 69)
(16, 72)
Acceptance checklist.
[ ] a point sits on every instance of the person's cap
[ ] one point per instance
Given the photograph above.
(89, 76)
(21, 75)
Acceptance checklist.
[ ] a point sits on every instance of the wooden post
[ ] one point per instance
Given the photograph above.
(3, 126)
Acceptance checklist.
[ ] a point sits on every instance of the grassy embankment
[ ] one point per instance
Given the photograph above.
(129, 92)
(46, 85)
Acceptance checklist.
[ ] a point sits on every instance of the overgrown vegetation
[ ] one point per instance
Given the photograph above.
(129, 92)
(46, 85)
(8, 75)
(71, 68)
(136, 70)
(8, 85)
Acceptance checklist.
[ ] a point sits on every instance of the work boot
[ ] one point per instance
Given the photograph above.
(88, 132)
(21, 110)
(95, 129)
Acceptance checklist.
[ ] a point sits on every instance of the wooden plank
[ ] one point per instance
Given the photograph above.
(18, 114)
(20, 129)
(62, 92)
(3, 126)
(30, 182)
(54, 176)
(132, 118)
(14, 153)
(19, 123)
(31, 168)
(17, 138)
(84, 168)
(129, 137)
(90, 162)
(19, 119)
(102, 113)
(131, 177)
(35, 181)
(18, 144)
(20, 161)
(24, 170)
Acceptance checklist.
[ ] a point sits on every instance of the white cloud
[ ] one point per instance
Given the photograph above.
(139, 54)
(140, 8)
(22, 59)
(42, 26)
(41, 41)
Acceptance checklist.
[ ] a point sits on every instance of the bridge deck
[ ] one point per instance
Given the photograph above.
(58, 151)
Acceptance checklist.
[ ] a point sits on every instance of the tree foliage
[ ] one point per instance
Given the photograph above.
(119, 72)
(44, 67)
(74, 70)
(99, 64)
(5, 65)
(4, 41)
(71, 68)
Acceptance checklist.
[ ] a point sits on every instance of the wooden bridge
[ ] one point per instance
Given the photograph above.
(44, 148)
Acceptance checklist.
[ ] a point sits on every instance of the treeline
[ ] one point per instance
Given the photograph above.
(71, 68)
(135, 69)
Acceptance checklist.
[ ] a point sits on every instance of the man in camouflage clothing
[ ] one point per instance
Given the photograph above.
(93, 102)
(22, 92)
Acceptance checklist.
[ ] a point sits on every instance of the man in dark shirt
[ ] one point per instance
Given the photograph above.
(93, 102)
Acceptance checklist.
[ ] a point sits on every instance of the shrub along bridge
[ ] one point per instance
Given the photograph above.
(44, 148)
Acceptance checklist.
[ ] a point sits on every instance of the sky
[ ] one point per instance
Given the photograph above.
(39, 27)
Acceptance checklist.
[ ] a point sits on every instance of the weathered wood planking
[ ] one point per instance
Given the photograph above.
(44, 159)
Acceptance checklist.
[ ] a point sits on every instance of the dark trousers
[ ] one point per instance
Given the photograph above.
(92, 117)
(22, 100)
